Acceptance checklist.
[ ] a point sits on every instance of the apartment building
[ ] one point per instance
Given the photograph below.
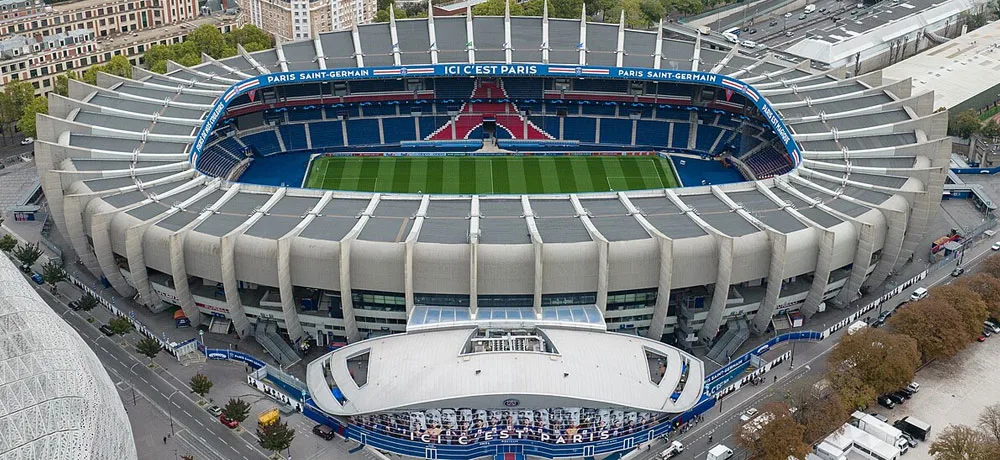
(103, 17)
(39, 59)
(303, 19)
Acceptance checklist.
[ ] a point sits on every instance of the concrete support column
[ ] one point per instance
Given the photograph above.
(227, 249)
(721, 294)
(658, 48)
(663, 286)
(538, 247)
(287, 290)
(583, 36)
(896, 230)
(73, 209)
(100, 231)
(346, 301)
(545, 34)
(775, 277)
(862, 260)
(821, 275)
(602, 274)
(178, 270)
(137, 265)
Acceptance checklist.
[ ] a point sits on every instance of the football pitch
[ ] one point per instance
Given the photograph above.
(491, 175)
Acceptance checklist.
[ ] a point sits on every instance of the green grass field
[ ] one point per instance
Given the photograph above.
(490, 175)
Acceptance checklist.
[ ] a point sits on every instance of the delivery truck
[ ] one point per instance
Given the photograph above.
(914, 427)
(719, 452)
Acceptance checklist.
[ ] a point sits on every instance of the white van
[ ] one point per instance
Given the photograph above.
(919, 293)
(748, 44)
(674, 448)
(731, 37)
(810, 9)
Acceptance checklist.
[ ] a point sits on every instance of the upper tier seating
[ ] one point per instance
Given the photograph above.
(263, 143)
(524, 88)
(294, 137)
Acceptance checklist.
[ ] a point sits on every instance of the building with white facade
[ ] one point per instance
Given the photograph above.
(304, 19)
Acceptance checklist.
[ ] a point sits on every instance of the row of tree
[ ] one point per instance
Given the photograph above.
(874, 361)
(963, 442)
(209, 40)
(18, 106)
(967, 123)
(275, 436)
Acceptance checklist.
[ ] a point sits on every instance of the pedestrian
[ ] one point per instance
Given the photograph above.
(164, 439)
(709, 438)
(775, 379)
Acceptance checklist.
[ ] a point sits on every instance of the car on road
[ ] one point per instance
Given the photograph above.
(214, 410)
(773, 23)
(996, 246)
(885, 402)
(981, 338)
(748, 44)
(27, 140)
(919, 293)
(802, 16)
(74, 305)
(748, 414)
(957, 271)
(788, 15)
(822, 10)
(106, 330)
(753, 31)
(228, 421)
(323, 431)
(672, 450)
(789, 34)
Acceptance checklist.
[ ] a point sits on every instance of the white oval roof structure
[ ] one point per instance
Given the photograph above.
(56, 400)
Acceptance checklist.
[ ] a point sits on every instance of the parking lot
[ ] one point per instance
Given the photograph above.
(952, 392)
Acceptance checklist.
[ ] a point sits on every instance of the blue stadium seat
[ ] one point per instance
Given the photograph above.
(523, 88)
(376, 86)
(616, 131)
(398, 129)
(706, 137)
(652, 132)
(581, 129)
(264, 143)
(376, 110)
(430, 124)
(294, 137)
(681, 133)
(326, 134)
(362, 131)
(671, 114)
(551, 126)
(299, 114)
(453, 88)
(599, 109)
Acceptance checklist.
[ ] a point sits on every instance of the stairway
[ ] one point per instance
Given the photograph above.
(735, 336)
(266, 334)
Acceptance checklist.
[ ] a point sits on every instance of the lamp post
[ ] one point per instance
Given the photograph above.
(201, 337)
(170, 412)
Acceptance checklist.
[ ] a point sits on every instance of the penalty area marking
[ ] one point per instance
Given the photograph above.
(624, 182)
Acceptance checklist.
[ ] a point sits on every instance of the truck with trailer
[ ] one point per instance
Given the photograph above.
(875, 427)
(913, 427)
(719, 452)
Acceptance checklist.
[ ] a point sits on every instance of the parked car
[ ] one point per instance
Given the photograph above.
(902, 394)
(914, 386)
(878, 322)
(822, 10)
(106, 330)
(909, 439)
(27, 140)
(993, 326)
(987, 332)
(214, 410)
(908, 391)
(996, 246)
(957, 271)
(228, 421)
(748, 414)
(323, 431)
(886, 402)
(981, 338)
(895, 398)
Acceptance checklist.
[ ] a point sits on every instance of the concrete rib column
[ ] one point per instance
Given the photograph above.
(538, 246)
(720, 295)
(359, 56)
(602, 253)
(775, 278)
(583, 36)
(658, 48)
(286, 287)
(474, 257)
(432, 33)
(470, 37)
(507, 52)
(545, 32)
(73, 211)
(227, 254)
(411, 240)
(821, 275)
(926, 205)
(394, 36)
(178, 271)
(896, 230)
(862, 260)
(665, 280)
(346, 300)
(100, 233)
(137, 265)
(620, 48)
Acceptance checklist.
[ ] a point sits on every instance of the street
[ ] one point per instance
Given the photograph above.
(808, 366)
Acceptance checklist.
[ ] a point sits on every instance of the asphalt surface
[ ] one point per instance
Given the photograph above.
(168, 394)
(808, 365)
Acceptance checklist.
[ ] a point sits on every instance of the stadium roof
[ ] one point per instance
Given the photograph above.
(130, 138)
(945, 69)
(428, 369)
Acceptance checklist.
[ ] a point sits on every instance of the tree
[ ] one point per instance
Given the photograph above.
(27, 254)
(275, 436)
(964, 124)
(854, 392)
(962, 443)
(53, 274)
(16, 95)
(496, 8)
(989, 422)
(254, 39)
(991, 266)
(991, 129)
(988, 289)
(633, 14)
(880, 359)
(120, 325)
(26, 124)
(819, 414)
(88, 302)
(200, 384)
(236, 409)
(156, 57)
(968, 304)
(61, 86)
(774, 440)
(210, 41)
(148, 347)
(7, 243)
(935, 325)
(653, 10)
(118, 65)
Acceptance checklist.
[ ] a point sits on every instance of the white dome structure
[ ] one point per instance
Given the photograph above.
(56, 400)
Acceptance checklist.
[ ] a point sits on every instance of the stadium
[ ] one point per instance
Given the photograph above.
(456, 205)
